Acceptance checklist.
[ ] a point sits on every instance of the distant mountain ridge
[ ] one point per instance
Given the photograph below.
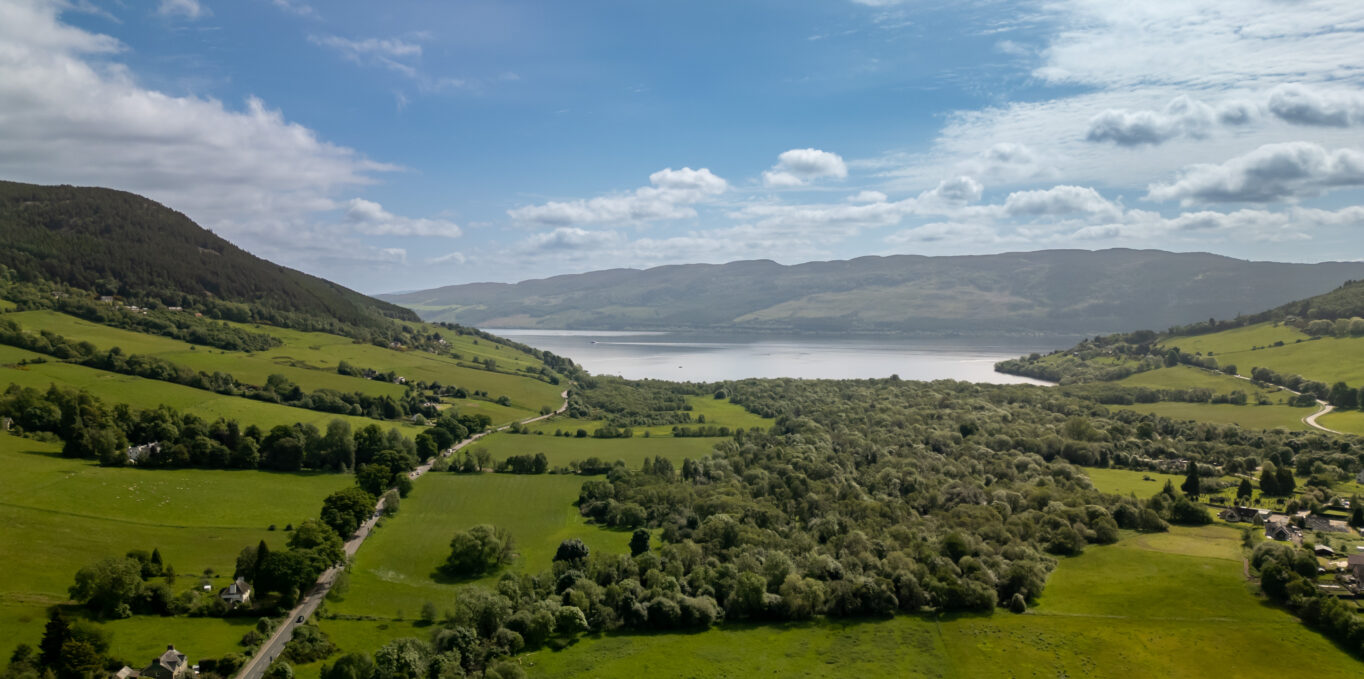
(123, 244)
(1062, 292)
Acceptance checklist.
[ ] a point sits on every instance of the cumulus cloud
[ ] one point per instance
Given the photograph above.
(569, 238)
(1324, 108)
(671, 196)
(70, 115)
(1058, 201)
(1271, 172)
(370, 218)
(956, 191)
(799, 167)
(867, 196)
(190, 9)
(1181, 117)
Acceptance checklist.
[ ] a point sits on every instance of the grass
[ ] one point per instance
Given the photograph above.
(1127, 482)
(562, 450)
(359, 635)
(250, 368)
(1328, 359)
(1346, 421)
(60, 514)
(1188, 377)
(1250, 416)
(138, 639)
(1091, 622)
(324, 351)
(143, 393)
(395, 570)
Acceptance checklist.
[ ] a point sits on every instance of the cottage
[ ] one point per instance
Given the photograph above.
(1244, 515)
(1324, 551)
(237, 593)
(136, 454)
(107, 299)
(1278, 531)
(1356, 566)
(171, 665)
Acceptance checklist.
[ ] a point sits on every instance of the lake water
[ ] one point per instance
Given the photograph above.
(710, 358)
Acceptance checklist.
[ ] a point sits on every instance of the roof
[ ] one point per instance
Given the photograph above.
(171, 658)
(1356, 560)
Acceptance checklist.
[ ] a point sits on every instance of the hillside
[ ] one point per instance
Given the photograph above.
(1049, 292)
(121, 244)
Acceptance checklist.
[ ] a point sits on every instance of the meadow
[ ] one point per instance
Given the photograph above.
(1249, 416)
(563, 450)
(1189, 377)
(1328, 359)
(395, 573)
(1345, 421)
(1128, 482)
(148, 394)
(61, 514)
(1090, 622)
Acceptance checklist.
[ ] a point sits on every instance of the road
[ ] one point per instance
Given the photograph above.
(274, 646)
(1310, 420)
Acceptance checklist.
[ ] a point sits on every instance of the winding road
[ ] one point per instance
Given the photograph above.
(1310, 420)
(274, 646)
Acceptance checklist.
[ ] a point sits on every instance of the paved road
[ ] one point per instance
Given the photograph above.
(1310, 420)
(255, 668)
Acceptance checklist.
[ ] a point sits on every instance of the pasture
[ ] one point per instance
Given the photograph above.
(147, 394)
(1345, 421)
(395, 572)
(1189, 377)
(1249, 416)
(562, 450)
(1090, 622)
(250, 368)
(1128, 482)
(1328, 359)
(61, 514)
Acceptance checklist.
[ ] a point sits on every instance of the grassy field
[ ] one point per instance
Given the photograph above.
(143, 393)
(1128, 482)
(1328, 359)
(395, 571)
(1347, 421)
(1091, 622)
(562, 450)
(359, 635)
(323, 351)
(62, 514)
(1188, 377)
(1251, 416)
(138, 639)
(250, 368)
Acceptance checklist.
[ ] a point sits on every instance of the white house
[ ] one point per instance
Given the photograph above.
(237, 593)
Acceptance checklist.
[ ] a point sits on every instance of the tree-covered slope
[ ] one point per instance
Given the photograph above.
(119, 243)
(1051, 291)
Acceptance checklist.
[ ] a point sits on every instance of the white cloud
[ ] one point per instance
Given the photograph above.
(190, 9)
(1057, 201)
(68, 115)
(953, 232)
(1181, 117)
(1272, 172)
(450, 257)
(671, 196)
(867, 197)
(302, 9)
(1319, 107)
(370, 218)
(387, 52)
(956, 191)
(799, 167)
(569, 238)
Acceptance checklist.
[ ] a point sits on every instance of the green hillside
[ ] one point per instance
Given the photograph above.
(121, 244)
(1058, 292)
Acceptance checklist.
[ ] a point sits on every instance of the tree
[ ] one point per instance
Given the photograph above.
(1244, 491)
(109, 586)
(477, 551)
(1190, 485)
(572, 550)
(350, 666)
(1343, 396)
(406, 658)
(1356, 515)
(318, 537)
(639, 542)
(1269, 479)
(346, 509)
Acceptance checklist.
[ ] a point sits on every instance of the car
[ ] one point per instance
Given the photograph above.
(300, 620)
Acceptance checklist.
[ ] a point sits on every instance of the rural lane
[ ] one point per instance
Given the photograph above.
(274, 646)
(1310, 420)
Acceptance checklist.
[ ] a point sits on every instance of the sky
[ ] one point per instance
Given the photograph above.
(406, 145)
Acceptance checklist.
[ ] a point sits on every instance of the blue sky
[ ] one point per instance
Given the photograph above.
(402, 145)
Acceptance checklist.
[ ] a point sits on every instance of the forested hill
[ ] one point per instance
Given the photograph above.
(1049, 291)
(121, 244)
